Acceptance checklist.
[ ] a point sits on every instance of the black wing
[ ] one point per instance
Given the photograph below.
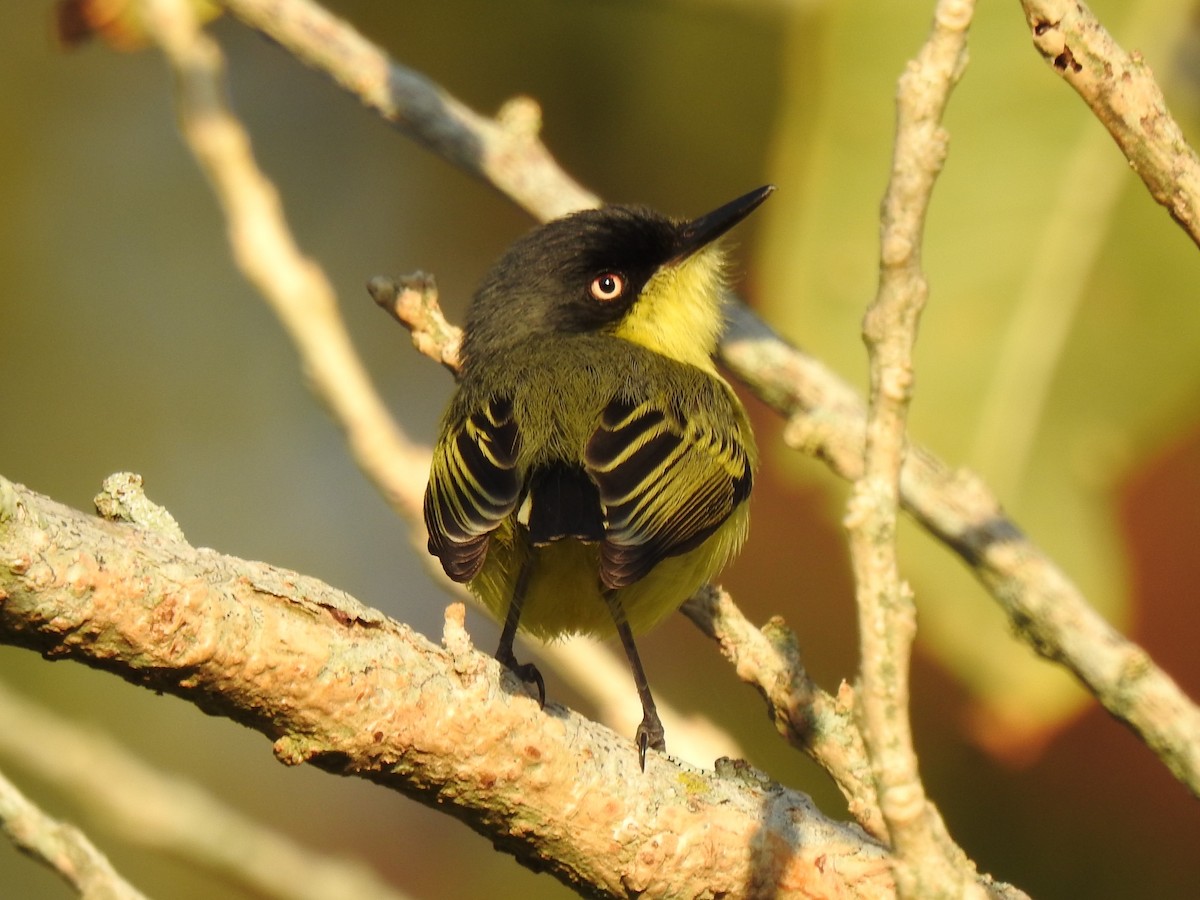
(665, 485)
(562, 503)
(473, 487)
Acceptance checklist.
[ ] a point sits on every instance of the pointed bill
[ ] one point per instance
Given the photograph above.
(705, 229)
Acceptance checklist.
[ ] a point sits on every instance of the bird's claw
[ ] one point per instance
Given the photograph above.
(528, 673)
(650, 735)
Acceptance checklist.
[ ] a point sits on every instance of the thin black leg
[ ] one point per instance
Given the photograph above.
(650, 732)
(527, 672)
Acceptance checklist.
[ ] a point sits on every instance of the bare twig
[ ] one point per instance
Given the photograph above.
(154, 809)
(336, 684)
(812, 720)
(504, 151)
(413, 302)
(1011, 409)
(62, 847)
(1121, 91)
(930, 865)
(296, 288)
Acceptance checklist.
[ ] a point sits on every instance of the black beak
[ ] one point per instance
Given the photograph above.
(707, 228)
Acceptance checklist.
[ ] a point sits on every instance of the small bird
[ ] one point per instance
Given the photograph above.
(592, 468)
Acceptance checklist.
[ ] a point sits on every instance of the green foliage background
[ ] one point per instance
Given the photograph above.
(1057, 357)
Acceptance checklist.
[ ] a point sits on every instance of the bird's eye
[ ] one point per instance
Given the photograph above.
(608, 286)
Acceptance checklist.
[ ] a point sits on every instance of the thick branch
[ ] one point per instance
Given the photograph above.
(337, 684)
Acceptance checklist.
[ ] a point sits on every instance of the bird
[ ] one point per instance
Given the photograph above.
(592, 467)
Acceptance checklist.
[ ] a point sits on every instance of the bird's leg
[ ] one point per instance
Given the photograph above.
(650, 732)
(504, 653)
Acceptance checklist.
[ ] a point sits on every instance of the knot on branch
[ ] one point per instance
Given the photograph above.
(122, 499)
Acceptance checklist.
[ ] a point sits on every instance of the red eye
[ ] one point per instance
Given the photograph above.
(608, 286)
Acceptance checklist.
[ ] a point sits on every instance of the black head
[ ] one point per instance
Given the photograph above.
(586, 271)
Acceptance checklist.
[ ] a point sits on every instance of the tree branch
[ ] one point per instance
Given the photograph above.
(812, 720)
(930, 865)
(1120, 89)
(62, 847)
(154, 809)
(339, 685)
(505, 151)
(295, 287)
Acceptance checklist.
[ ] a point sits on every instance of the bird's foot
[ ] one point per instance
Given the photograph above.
(526, 672)
(650, 735)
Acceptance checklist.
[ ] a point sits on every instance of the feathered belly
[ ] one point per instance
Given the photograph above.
(563, 595)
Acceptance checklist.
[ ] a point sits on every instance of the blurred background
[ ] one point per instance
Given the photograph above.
(1057, 357)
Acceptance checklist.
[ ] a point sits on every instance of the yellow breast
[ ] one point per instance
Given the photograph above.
(563, 595)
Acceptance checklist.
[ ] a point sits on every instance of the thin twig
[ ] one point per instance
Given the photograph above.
(1056, 280)
(413, 302)
(62, 847)
(812, 720)
(504, 151)
(1011, 408)
(295, 286)
(930, 864)
(154, 809)
(1121, 91)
